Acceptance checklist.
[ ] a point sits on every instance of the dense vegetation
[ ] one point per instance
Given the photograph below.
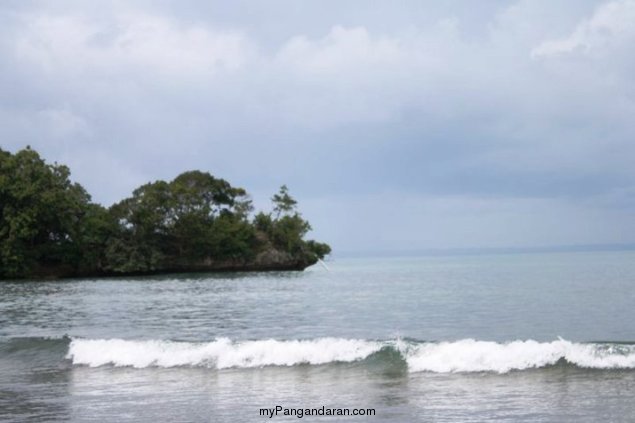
(50, 227)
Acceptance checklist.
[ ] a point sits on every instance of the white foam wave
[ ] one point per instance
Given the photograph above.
(466, 355)
(220, 354)
(469, 355)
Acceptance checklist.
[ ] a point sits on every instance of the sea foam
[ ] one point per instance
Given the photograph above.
(220, 354)
(467, 355)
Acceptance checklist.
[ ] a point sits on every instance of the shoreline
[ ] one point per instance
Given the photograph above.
(289, 264)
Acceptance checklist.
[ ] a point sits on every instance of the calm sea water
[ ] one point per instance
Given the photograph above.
(523, 337)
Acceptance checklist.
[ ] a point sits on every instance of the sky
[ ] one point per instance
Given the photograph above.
(397, 125)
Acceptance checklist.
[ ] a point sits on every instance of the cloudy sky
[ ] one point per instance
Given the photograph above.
(398, 125)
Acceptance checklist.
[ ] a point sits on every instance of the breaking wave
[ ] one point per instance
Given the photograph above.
(466, 355)
(479, 356)
(220, 354)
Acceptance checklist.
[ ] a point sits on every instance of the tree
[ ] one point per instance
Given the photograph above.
(210, 217)
(287, 230)
(42, 213)
(143, 223)
(320, 249)
(283, 203)
(49, 226)
(193, 218)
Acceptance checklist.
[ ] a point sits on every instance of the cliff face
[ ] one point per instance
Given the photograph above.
(279, 260)
(270, 259)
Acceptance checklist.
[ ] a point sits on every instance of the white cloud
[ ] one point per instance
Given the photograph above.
(340, 50)
(445, 106)
(76, 44)
(610, 23)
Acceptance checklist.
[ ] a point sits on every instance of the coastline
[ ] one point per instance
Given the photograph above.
(270, 260)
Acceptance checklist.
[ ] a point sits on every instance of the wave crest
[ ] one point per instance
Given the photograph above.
(467, 355)
(220, 354)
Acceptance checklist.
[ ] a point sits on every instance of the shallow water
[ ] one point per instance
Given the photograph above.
(519, 337)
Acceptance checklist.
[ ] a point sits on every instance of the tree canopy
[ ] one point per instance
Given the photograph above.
(50, 227)
(42, 213)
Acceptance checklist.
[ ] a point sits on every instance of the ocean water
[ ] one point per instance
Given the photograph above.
(517, 337)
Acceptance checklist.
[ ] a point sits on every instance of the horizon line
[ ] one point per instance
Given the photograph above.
(456, 251)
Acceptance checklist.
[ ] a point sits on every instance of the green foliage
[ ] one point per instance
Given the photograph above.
(232, 238)
(320, 249)
(49, 226)
(169, 225)
(42, 215)
(287, 230)
(263, 223)
(97, 228)
(283, 203)
(143, 222)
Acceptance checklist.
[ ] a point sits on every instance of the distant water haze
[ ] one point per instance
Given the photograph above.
(449, 252)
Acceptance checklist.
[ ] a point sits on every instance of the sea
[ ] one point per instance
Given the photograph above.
(533, 337)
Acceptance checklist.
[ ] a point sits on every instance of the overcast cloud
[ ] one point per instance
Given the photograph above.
(397, 125)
